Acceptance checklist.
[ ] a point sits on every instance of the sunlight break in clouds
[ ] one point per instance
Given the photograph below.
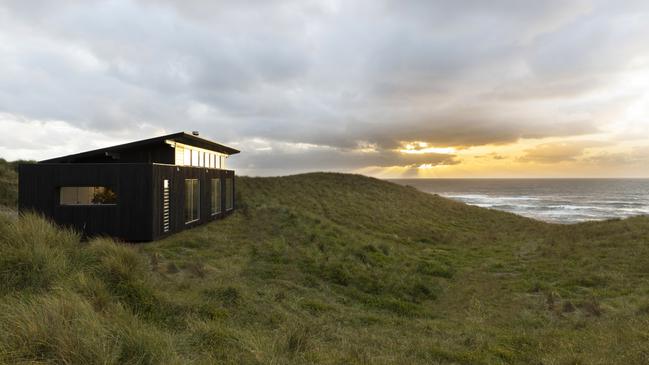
(438, 88)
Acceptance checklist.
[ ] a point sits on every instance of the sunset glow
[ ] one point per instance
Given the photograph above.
(422, 89)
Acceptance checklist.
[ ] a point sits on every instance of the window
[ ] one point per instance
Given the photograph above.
(165, 206)
(180, 156)
(216, 196)
(87, 195)
(187, 159)
(195, 161)
(193, 156)
(229, 194)
(192, 200)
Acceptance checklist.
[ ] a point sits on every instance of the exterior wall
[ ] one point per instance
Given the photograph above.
(137, 216)
(129, 219)
(176, 176)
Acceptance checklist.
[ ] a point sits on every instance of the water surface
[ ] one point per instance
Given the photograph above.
(551, 200)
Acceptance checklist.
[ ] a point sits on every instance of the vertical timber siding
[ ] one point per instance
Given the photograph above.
(138, 214)
(39, 186)
(176, 176)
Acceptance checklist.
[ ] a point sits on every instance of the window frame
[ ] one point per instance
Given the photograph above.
(198, 200)
(219, 193)
(60, 191)
(230, 194)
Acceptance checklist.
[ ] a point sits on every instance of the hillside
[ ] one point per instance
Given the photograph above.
(8, 184)
(331, 269)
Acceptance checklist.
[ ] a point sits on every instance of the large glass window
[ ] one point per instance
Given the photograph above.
(229, 194)
(87, 195)
(192, 200)
(216, 196)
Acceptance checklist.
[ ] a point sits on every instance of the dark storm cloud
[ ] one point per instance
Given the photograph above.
(326, 73)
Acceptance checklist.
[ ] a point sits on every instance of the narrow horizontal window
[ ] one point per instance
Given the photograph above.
(87, 195)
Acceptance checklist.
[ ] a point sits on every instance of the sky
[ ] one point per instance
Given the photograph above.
(448, 88)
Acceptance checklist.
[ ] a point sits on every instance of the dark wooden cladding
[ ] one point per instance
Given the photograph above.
(138, 214)
(176, 176)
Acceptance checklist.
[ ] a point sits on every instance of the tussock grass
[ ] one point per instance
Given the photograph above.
(8, 183)
(330, 269)
(59, 327)
(34, 254)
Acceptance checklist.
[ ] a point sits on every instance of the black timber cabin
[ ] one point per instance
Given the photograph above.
(139, 191)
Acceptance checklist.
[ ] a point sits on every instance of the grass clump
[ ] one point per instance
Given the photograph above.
(126, 275)
(60, 328)
(34, 254)
(8, 183)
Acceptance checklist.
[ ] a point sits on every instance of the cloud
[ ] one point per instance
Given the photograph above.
(638, 155)
(329, 74)
(272, 158)
(550, 153)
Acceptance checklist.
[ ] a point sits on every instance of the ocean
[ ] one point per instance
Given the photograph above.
(550, 200)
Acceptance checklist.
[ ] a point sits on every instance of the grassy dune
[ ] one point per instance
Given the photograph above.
(8, 184)
(331, 269)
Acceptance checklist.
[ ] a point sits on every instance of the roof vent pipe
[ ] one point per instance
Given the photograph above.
(195, 133)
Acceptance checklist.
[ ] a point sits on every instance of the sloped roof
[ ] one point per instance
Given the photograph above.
(181, 137)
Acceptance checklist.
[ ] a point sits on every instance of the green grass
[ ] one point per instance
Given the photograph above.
(8, 184)
(331, 269)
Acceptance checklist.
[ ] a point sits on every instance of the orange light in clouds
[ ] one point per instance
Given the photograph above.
(423, 147)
